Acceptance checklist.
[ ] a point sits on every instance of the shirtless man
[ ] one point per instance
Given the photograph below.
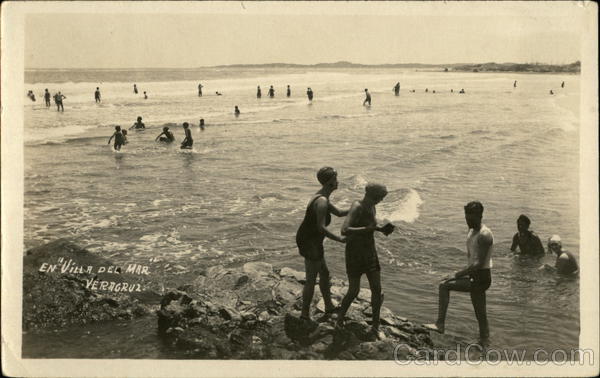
(138, 124)
(367, 97)
(167, 138)
(309, 239)
(565, 261)
(476, 277)
(271, 92)
(97, 95)
(309, 93)
(527, 241)
(187, 141)
(119, 139)
(397, 89)
(47, 97)
(361, 256)
(258, 92)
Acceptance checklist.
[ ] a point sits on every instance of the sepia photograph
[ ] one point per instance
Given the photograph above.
(373, 188)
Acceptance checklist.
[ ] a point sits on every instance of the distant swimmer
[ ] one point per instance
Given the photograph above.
(426, 89)
(236, 111)
(397, 89)
(201, 124)
(187, 141)
(288, 92)
(125, 141)
(562, 85)
(58, 100)
(462, 91)
(135, 89)
(310, 236)
(361, 254)
(565, 263)
(271, 92)
(47, 97)
(476, 278)
(309, 93)
(218, 94)
(167, 138)
(138, 124)
(515, 84)
(145, 96)
(551, 92)
(527, 241)
(258, 92)
(451, 90)
(433, 91)
(31, 95)
(200, 86)
(367, 97)
(97, 94)
(118, 135)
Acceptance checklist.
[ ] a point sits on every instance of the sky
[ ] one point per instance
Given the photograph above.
(184, 35)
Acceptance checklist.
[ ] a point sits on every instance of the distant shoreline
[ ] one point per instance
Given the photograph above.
(456, 67)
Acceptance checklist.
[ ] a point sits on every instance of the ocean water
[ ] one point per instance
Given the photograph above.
(241, 193)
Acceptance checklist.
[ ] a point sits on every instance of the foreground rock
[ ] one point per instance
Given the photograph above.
(252, 313)
(54, 299)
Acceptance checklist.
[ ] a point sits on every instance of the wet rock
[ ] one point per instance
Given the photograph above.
(230, 314)
(263, 316)
(298, 276)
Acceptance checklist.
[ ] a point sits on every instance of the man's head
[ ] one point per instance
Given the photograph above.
(555, 244)
(523, 223)
(118, 128)
(165, 129)
(473, 214)
(375, 192)
(186, 125)
(139, 118)
(327, 176)
(97, 88)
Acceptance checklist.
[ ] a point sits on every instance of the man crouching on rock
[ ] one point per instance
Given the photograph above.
(361, 255)
(310, 236)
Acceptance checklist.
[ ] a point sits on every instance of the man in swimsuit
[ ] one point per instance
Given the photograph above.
(168, 136)
(288, 92)
(199, 90)
(310, 236)
(258, 92)
(565, 263)
(135, 89)
(527, 241)
(367, 98)
(201, 124)
(138, 125)
(145, 96)
(309, 93)
(97, 94)
(47, 97)
(361, 255)
(271, 92)
(118, 135)
(397, 89)
(236, 111)
(58, 100)
(187, 141)
(476, 277)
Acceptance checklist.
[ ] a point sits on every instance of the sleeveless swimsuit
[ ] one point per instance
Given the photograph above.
(361, 255)
(308, 238)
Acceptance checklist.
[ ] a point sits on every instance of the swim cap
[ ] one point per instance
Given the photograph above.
(165, 128)
(474, 207)
(554, 239)
(325, 174)
(376, 190)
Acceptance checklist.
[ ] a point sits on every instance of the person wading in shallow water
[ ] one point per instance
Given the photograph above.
(361, 254)
(476, 278)
(527, 241)
(309, 239)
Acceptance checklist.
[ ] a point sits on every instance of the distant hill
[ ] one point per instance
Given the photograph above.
(518, 67)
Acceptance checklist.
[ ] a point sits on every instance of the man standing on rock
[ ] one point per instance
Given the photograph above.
(310, 236)
(476, 277)
(361, 255)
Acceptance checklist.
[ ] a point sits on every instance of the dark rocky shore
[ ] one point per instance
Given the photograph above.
(245, 312)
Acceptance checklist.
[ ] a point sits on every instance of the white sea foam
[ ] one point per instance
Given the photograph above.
(406, 210)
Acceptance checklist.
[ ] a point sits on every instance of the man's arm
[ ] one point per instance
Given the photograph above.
(515, 242)
(322, 209)
(112, 136)
(484, 242)
(337, 212)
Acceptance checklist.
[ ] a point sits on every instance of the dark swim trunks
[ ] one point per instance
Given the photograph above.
(481, 280)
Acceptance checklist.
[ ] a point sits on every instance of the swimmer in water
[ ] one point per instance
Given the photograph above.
(288, 93)
(135, 89)
(47, 97)
(187, 141)
(201, 124)
(515, 84)
(145, 96)
(58, 100)
(200, 86)
(258, 92)
(218, 94)
(562, 85)
(551, 92)
(309, 93)
(476, 278)
(309, 239)
(397, 89)
(361, 255)
(138, 124)
(236, 111)
(565, 261)
(462, 91)
(367, 97)
(118, 135)
(271, 92)
(125, 141)
(97, 94)
(527, 241)
(167, 138)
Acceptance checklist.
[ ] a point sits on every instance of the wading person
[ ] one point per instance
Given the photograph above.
(476, 277)
(565, 261)
(361, 255)
(527, 241)
(119, 139)
(309, 238)
(188, 142)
